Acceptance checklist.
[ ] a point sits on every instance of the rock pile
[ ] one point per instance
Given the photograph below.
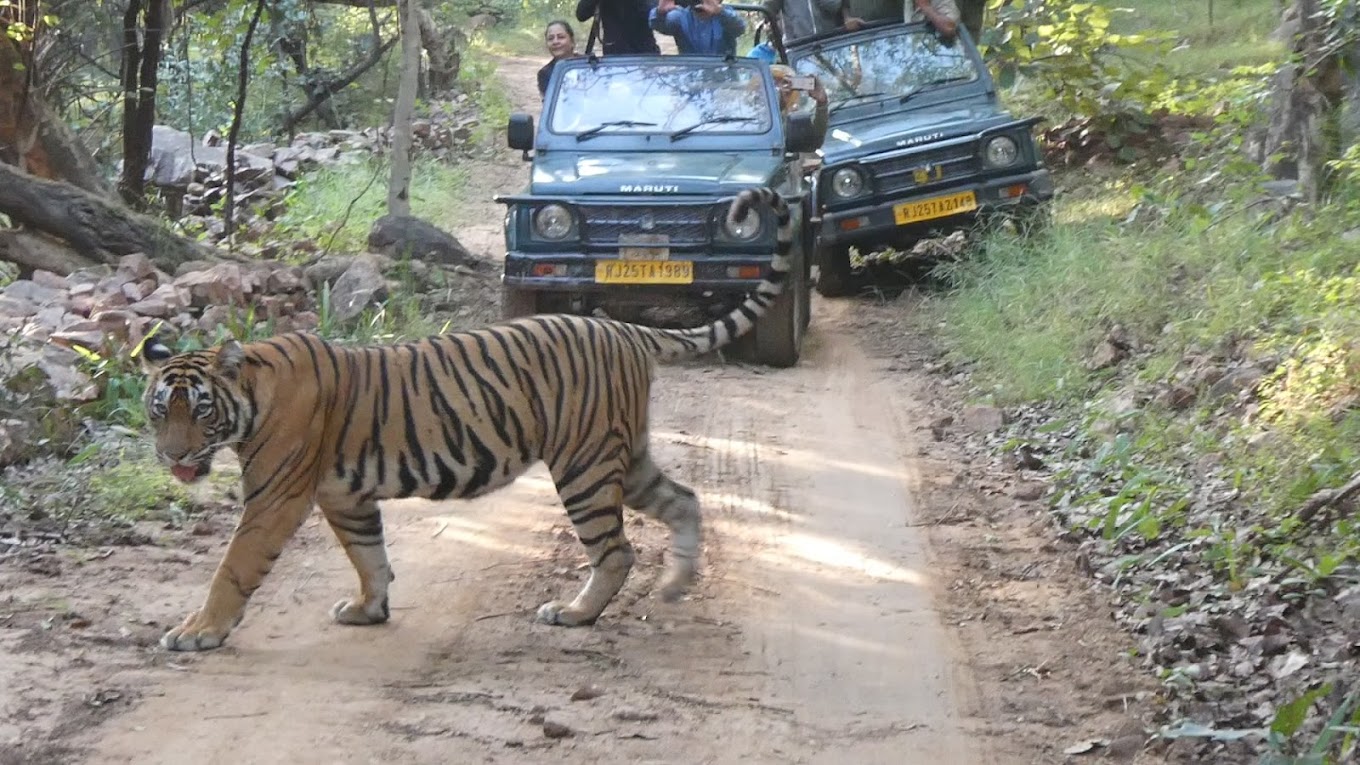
(193, 174)
(111, 309)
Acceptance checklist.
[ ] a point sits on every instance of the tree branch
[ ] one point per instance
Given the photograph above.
(291, 121)
(242, 80)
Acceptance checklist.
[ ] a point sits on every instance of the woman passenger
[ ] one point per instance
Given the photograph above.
(561, 43)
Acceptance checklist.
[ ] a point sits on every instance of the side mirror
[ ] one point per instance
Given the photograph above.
(519, 133)
(802, 133)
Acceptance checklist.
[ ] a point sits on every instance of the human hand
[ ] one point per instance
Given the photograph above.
(854, 23)
(923, 5)
(818, 92)
(664, 6)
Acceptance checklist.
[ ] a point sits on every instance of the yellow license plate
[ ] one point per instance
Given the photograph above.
(935, 207)
(644, 272)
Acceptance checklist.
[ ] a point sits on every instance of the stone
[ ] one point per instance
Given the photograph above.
(360, 286)
(982, 419)
(405, 236)
(137, 266)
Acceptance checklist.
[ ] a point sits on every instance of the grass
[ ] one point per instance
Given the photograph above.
(493, 104)
(137, 490)
(336, 205)
(1237, 35)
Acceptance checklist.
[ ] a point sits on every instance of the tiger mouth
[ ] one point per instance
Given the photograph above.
(190, 473)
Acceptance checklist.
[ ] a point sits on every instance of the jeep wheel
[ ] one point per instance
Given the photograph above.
(777, 339)
(834, 275)
(517, 302)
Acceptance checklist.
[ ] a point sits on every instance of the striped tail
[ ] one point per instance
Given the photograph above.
(679, 343)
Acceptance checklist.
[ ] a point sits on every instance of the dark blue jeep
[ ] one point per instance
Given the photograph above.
(635, 161)
(917, 145)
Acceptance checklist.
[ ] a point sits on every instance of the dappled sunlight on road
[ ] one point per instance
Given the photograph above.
(799, 459)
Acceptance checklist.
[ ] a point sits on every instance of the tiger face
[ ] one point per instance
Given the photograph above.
(194, 405)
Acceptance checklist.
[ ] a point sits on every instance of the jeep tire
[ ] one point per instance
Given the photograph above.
(834, 273)
(777, 338)
(517, 302)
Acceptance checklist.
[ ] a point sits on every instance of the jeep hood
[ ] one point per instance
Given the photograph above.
(650, 172)
(892, 130)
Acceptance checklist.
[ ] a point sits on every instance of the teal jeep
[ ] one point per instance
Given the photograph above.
(918, 144)
(634, 164)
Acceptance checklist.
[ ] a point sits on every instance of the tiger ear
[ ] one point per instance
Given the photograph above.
(230, 357)
(154, 355)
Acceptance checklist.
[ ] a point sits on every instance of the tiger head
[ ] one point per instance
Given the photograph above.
(195, 405)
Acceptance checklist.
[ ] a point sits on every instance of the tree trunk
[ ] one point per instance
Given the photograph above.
(94, 226)
(399, 186)
(141, 60)
(33, 139)
(238, 109)
(445, 60)
(1293, 146)
(33, 252)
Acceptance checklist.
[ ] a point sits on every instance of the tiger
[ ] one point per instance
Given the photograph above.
(456, 415)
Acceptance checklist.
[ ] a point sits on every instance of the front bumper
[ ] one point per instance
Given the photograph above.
(875, 224)
(575, 272)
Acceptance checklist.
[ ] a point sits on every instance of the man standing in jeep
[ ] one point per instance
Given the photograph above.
(805, 18)
(623, 24)
(942, 14)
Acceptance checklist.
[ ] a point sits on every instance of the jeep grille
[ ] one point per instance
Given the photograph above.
(683, 224)
(946, 164)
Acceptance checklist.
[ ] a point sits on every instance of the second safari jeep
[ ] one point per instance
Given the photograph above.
(918, 144)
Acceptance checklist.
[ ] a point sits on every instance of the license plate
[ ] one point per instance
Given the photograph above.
(935, 207)
(644, 272)
(644, 246)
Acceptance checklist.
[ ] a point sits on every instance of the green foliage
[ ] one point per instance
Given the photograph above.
(1077, 61)
(136, 490)
(336, 205)
(478, 76)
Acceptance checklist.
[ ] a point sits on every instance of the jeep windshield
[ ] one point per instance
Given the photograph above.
(883, 68)
(631, 98)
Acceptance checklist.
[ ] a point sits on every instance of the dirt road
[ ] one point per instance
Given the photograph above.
(811, 637)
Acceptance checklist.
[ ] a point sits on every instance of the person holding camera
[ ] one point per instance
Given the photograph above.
(699, 26)
(942, 14)
(624, 24)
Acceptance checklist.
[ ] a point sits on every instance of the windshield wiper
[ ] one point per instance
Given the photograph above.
(616, 123)
(682, 132)
(852, 98)
(918, 88)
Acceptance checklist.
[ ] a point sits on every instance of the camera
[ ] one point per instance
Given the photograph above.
(686, 3)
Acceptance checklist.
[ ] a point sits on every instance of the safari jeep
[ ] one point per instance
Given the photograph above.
(917, 144)
(635, 162)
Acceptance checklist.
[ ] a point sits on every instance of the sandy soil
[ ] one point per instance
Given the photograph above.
(867, 596)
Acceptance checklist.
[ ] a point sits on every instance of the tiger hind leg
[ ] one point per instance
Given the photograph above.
(595, 507)
(360, 531)
(655, 494)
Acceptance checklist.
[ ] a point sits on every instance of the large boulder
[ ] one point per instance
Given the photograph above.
(403, 236)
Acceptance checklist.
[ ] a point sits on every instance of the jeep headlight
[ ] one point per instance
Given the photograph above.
(553, 222)
(847, 183)
(1001, 151)
(743, 230)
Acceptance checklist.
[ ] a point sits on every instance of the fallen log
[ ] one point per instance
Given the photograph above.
(96, 227)
(32, 251)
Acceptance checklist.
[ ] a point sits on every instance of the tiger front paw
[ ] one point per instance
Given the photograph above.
(195, 634)
(563, 615)
(357, 612)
